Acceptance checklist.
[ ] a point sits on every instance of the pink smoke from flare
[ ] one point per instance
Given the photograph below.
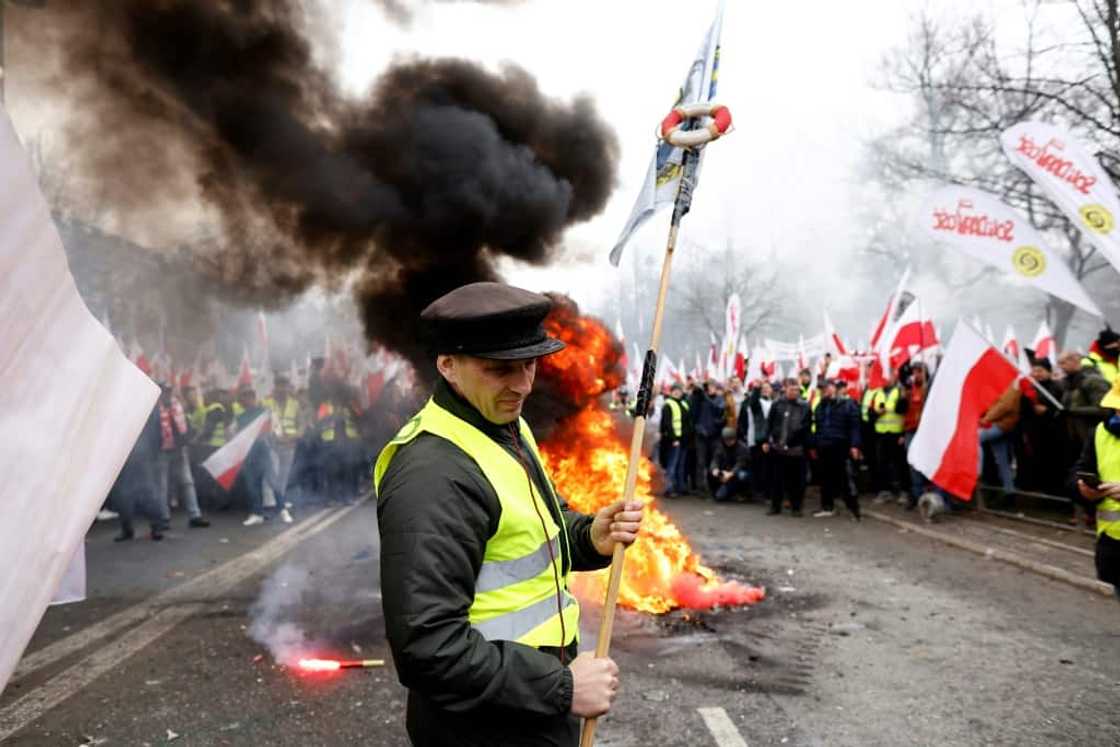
(691, 593)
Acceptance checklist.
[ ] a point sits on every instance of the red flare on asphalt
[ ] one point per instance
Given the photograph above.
(692, 592)
(319, 665)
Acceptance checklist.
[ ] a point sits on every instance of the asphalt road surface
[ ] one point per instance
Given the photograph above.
(871, 635)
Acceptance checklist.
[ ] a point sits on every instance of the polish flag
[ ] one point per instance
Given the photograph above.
(245, 375)
(912, 335)
(833, 343)
(972, 376)
(741, 358)
(225, 463)
(1044, 344)
(1010, 344)
(843, 367)
(882, 328)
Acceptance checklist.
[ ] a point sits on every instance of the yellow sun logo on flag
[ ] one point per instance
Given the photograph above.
(1097, 218)
(1029, 261)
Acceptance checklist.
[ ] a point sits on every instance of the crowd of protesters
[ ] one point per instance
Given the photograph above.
(769, 440)
(316, 450)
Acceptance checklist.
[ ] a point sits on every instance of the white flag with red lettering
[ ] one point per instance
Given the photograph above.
(971, 377)
(1072, 178)
(978, 224)
(225, 463)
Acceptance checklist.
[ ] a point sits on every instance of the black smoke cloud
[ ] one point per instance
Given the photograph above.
(411, 191)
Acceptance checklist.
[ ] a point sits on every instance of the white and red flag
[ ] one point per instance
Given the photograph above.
(245, 373)
(833, 343)
(1013, 350)
(980, 225)
(1045, 346)
(1072, 178)
(71, 407)
(971, 377)
(225, 463)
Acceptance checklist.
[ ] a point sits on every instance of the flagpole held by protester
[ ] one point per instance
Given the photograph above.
(681, 131)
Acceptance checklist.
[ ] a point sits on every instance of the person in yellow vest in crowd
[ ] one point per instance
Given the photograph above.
(676, 428)
(869, 438)
(287, 426)
(1104, 355)
(805, 383)
(889, 406)
(216, 430)
(1098, 481)
(196, 412)
(340, 449)
(477, 547)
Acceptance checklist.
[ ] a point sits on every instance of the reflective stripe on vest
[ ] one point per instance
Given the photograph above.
(1108, 467)
(218, 435)
(515, 592)
(675, 408)
(889, 421)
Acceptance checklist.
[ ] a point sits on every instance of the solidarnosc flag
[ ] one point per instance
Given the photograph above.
(659, 189)
(1072, 179)
(980, 225)
(71, 407)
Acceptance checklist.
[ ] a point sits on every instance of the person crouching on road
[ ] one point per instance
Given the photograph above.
(788, 433)
(728, 472)
(835, 438)
(1098, 481)
(477, 548)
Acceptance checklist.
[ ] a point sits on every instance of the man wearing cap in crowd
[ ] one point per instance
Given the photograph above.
(1098, 480)
(477, 547)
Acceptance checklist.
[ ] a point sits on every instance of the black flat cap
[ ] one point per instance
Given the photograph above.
(490, 320)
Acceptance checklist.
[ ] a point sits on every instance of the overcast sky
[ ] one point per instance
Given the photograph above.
(797, 77)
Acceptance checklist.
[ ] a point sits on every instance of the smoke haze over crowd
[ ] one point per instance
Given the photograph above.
(406, 193)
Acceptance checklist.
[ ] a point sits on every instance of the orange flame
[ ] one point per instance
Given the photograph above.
(587, 460)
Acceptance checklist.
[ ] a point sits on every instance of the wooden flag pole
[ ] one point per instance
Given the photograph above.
(645, 397)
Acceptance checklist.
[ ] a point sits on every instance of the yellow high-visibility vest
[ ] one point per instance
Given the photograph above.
(350, 427)
(677, 409)
(889, 421)
(1108, 467)
(865, 403)
(515, 592)
(1108, 370)
(218, 435)
(197, 419)
(285, 419)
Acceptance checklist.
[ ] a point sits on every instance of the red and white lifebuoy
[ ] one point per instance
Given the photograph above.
(672, 133)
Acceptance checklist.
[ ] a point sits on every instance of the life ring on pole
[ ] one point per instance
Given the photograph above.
(671, 132)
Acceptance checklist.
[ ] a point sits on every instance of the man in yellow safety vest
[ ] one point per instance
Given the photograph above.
(676, 427)
(1098, 480)
(477, 547)
(889, 406)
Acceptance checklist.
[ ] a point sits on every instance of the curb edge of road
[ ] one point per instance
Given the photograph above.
(1041, 569)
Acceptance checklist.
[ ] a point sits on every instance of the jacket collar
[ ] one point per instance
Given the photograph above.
(450, 400)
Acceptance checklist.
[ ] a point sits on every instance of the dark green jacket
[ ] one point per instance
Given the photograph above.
(436, 511)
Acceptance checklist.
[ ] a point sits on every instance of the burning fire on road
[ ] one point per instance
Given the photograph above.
(586, 456)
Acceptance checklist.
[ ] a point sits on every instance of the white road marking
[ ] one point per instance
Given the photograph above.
(29, 707)
(720, 725)
(235, 569)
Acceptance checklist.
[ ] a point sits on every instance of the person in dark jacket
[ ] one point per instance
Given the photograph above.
(788, 427)
(676, 428)
(728, 470)
(708, 420)
(135, 490)
(835, 439)
(455, 586)
(754, 430)
(1041, 467)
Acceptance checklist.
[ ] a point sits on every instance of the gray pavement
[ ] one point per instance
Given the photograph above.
(869, 636)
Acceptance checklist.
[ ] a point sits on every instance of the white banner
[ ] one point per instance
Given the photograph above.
(663, 177)
(1072, 179)
(791, 351)
(981, 226)
(71, 406)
